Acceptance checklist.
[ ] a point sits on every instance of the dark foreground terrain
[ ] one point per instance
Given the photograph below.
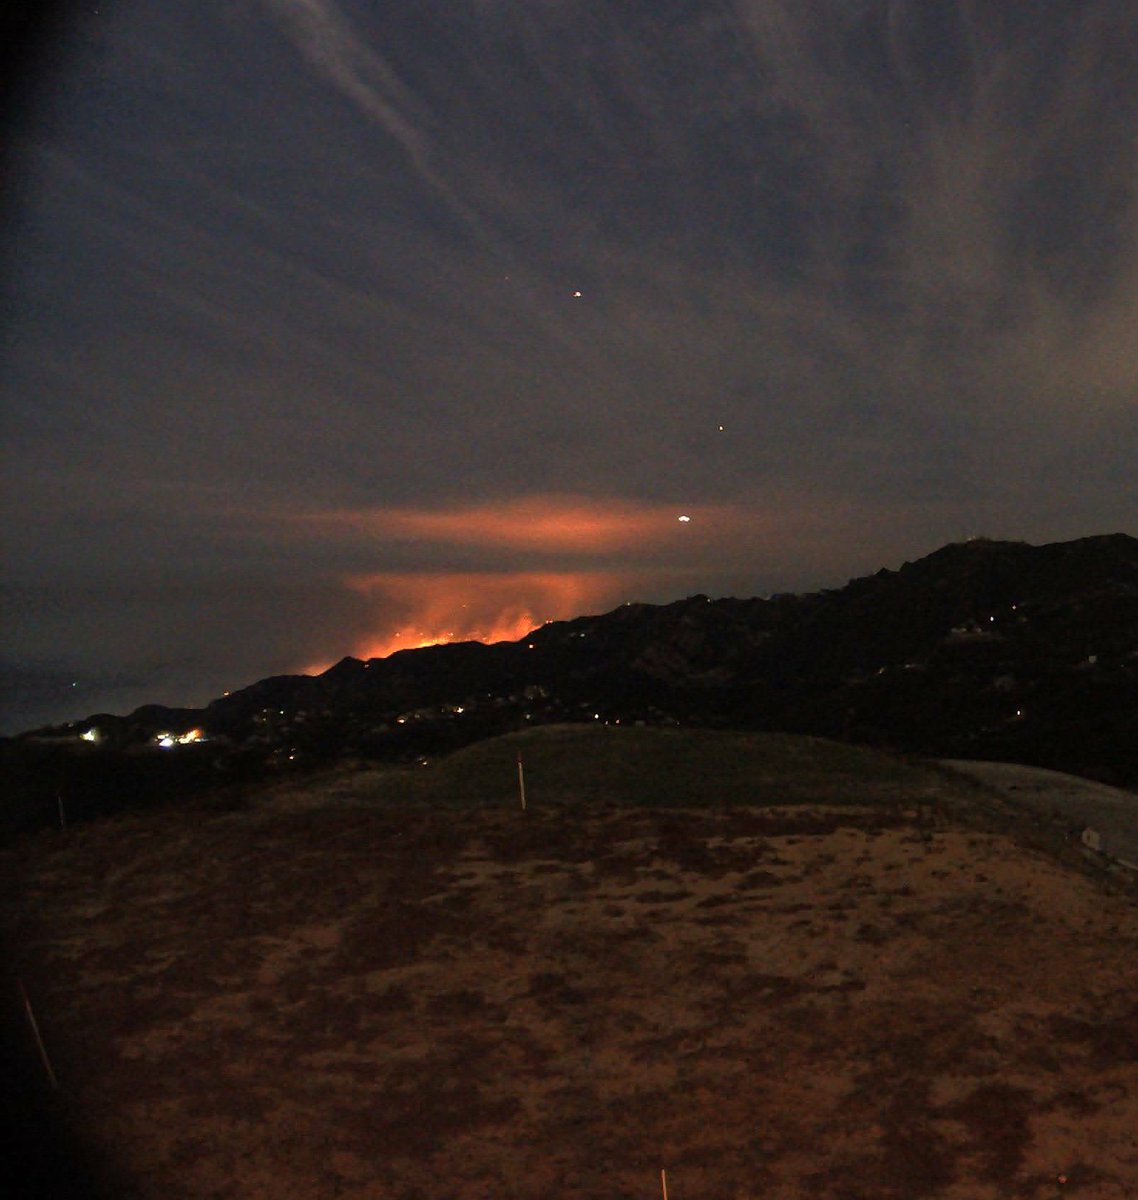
(828, 975)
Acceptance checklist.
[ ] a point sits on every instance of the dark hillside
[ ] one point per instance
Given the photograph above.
(983, 649)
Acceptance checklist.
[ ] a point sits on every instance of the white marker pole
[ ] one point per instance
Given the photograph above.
(36, 1034)
(521, 781)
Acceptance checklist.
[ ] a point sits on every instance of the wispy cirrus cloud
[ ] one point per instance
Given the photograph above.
(324, 34)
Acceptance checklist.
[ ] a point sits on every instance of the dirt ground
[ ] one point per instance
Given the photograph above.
(829, 1003)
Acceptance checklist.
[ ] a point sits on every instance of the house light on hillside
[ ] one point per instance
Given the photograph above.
(91, 735)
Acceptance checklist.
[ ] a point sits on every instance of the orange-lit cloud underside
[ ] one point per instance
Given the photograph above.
(499, 602)
(549, 523)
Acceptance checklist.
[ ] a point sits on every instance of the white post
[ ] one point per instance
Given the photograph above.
(521, 781)
(36, 1034)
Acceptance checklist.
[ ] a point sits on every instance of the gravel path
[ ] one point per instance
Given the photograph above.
(1109, 812)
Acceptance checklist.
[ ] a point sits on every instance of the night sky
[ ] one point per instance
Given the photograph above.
(333, 326)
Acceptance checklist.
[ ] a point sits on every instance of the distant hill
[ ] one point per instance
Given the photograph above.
(982, 649)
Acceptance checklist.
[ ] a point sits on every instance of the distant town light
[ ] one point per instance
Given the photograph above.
(90, 735)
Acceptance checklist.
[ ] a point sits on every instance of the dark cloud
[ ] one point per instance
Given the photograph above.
(315, 256)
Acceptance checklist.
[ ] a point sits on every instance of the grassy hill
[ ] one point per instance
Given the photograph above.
(618, 765)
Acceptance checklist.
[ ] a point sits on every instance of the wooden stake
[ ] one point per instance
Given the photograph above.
(36, 1034)
(521, 781)
(664, 1182)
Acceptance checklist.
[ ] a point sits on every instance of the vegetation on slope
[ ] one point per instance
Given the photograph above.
(618, 765)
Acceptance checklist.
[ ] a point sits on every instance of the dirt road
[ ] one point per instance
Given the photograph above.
(1109, 812)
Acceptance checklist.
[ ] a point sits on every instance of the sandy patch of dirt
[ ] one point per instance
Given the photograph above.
(834, 1004)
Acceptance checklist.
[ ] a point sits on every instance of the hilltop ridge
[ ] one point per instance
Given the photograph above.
(982, 649)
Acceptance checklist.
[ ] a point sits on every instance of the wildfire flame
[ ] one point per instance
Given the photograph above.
(501, 629)
(433, 609)
(585, 554)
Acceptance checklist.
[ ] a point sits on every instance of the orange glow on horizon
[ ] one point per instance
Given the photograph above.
(434, 609)
(500, 629)
(582, 554)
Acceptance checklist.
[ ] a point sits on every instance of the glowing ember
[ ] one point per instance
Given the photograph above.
(166, 740)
